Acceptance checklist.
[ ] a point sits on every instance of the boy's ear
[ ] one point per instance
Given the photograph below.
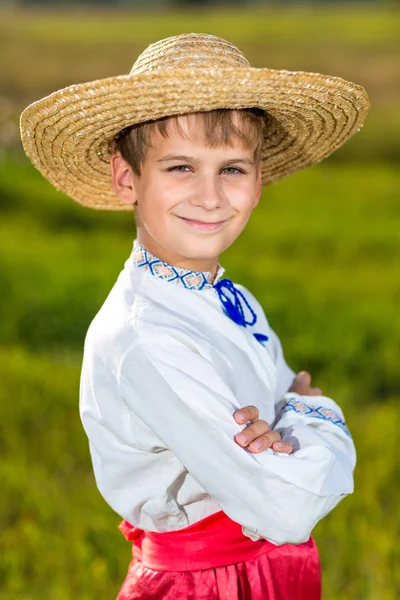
(122, 179)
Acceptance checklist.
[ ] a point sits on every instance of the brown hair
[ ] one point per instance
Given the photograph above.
(219, 129)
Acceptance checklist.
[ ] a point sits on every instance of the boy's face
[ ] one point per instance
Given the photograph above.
(193, 201)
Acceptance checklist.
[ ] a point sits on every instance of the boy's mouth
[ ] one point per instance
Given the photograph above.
(202, 225)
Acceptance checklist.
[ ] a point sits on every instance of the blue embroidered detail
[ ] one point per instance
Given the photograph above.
(192, 280)
(311, 410)
(231, 297)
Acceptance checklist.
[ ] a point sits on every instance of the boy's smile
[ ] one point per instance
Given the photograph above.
(191, 201)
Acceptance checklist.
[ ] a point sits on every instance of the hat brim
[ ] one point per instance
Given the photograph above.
(66, 135)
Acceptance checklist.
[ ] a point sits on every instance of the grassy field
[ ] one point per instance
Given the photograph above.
(321, 252)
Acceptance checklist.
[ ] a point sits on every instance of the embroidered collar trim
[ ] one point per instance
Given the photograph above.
(192, 280)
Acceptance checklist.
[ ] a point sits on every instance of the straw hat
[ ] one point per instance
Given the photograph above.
(66, 135)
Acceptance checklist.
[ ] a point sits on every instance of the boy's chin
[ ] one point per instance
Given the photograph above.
(202, 249)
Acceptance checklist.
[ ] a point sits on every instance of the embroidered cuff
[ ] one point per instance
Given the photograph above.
(296, 403)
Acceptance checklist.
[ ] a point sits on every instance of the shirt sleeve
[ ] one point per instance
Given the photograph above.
(300, 418)
(182, 398)
(297, 416)
(293, 411)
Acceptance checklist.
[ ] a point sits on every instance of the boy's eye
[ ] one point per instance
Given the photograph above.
(181, 168)
(187, 169)
(232, 170)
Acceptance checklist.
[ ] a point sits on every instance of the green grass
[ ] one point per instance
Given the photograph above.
(279, 24)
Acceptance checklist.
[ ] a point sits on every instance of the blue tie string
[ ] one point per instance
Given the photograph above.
(261, 337)
(234, 308)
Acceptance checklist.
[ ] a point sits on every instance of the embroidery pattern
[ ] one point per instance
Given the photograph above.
(310, 410)
(199, 280)
(192, 280)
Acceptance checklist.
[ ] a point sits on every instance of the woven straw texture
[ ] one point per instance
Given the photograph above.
(67, 134)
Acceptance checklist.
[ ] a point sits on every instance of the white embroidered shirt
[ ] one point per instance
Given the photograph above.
(165, 367)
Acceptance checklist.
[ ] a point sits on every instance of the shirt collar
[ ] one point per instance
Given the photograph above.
(192, 280)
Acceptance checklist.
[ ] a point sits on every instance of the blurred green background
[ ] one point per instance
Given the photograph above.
(321, 252)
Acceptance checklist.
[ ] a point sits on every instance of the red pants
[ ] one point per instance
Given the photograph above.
(213, 560)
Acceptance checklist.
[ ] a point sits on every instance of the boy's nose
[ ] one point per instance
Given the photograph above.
(209, 194)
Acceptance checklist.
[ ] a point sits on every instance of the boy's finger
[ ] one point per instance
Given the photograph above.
(264, 441)
(253, 432)
(282, 447)
(247, 413)
(301, 383)
(305, 377)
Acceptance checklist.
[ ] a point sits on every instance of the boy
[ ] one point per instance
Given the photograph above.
(177, 352)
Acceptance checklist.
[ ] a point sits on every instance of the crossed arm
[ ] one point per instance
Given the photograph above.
(258, 436)
(275, 495)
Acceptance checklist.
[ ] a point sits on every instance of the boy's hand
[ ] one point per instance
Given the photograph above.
(259, 432)
(301, 385)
